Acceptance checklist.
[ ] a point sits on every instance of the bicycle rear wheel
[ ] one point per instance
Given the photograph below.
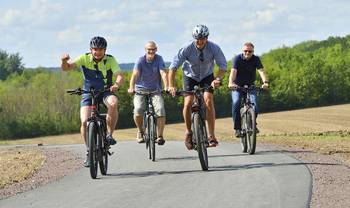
(92, 149)
(243, 136)
(251, 130)
(152, 137)
(199, 135)
(103, 151)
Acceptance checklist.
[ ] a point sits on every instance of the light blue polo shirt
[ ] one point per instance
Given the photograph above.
(149, 78)
(193, 67)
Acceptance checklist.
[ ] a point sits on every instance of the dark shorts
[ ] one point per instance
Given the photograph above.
(189, 83)
(86, 99)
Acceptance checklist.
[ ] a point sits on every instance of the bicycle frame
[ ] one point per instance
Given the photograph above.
(149, 123)
(96, 133)
(248, 119)
(198, 126)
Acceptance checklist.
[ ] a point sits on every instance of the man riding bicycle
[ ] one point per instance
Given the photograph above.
(98, 69)
(197, 59)
(243, 72)
(148, 72)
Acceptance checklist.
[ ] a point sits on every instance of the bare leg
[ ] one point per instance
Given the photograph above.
(210, 112)
(112, 113)
(138, 122)
(84, 115)
(160, 124)
(187, 112)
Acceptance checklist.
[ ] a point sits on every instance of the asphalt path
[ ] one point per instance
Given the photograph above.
(267, 179)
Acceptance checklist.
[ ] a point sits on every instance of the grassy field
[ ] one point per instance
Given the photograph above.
(325, 130)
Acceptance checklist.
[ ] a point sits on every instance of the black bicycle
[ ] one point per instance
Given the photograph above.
(248, 119)
(98, 146)
(198, 127)
(149, 124)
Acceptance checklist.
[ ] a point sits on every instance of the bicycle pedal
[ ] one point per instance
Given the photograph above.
(110, 153)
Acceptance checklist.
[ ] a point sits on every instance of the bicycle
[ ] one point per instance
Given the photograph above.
(149, 124)
(98, 146)
(248, 119)
(198, 127)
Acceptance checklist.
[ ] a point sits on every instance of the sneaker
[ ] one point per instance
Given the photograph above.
(87, 161)
(160, 140)
(188, 141)
(257, 130)
(238, 133)
(139, 137)
(110, 140)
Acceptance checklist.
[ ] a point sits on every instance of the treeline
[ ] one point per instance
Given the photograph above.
(34, 102)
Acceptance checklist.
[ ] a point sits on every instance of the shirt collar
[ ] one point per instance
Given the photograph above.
(91, 58)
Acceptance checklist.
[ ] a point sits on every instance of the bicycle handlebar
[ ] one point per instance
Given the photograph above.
(196, 89)
(247, 88)
(79, 91)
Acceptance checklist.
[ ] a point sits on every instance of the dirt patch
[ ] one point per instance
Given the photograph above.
(58, 163)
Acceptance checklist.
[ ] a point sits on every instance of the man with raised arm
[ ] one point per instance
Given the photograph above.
(98, 70)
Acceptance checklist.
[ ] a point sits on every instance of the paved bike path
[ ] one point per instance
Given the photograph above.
(266, 179)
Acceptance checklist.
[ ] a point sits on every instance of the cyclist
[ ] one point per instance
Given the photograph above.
(243, 72)
(197, 59)
(148, 72)
(98, 69)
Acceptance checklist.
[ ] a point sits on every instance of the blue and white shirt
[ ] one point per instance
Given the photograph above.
(192, 65)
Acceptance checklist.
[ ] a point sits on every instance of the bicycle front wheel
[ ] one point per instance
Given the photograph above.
(199, 135)
(103, 151)
(92, 129)
(152, 137)
(251, 130)
(243, 136)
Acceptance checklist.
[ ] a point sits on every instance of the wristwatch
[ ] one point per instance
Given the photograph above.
(218, 79)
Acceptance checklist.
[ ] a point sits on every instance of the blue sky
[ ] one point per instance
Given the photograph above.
(41, 30)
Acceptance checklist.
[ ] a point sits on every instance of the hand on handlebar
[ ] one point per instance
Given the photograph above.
(114, 88)
(232, 86)
(215, 83)
(265, 86)
(131, 90)
(172, 91)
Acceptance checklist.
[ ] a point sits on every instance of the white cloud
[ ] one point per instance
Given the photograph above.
(70, 35)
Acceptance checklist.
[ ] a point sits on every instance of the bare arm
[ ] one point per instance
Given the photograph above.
(231, 83)
(263, 78)
(119, 79)
(164, 75)
(64, 63)
(171, 81)
(135, 75)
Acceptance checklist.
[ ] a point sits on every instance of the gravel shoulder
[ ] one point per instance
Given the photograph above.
(331, 178)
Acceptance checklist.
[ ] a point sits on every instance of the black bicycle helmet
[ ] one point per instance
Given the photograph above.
(98, 42)
(200, 31)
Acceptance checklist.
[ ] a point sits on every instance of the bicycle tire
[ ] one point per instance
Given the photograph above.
(152, 137)
(103, 150)
(92, 149)
(198, 133)
(243, 136)
(251, 135)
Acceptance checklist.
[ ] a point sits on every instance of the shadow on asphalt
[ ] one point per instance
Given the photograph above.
(211, 169)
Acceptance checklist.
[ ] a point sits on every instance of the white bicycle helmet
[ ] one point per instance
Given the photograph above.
(200, 31)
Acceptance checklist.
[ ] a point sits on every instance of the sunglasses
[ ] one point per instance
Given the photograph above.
(151, 49)
(247, 51)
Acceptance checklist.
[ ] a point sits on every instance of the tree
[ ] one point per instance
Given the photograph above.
(10, 64)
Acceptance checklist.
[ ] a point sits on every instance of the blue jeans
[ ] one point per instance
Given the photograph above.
(236, 101)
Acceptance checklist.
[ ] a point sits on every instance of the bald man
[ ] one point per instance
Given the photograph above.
(147, 76)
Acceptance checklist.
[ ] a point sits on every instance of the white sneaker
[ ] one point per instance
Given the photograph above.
(139, 137)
